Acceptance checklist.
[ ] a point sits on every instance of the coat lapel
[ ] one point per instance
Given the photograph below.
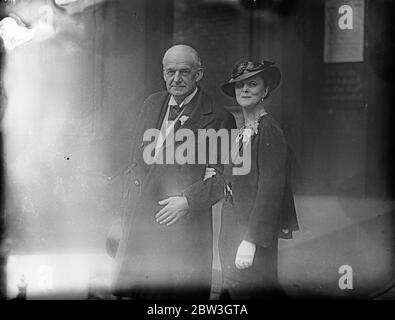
(199, 118)
(151, 117)
(162, 113)
(155, 112)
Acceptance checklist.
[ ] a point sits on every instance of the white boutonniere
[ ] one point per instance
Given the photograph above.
(183, 119)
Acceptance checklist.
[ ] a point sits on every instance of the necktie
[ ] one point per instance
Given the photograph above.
(175, 110)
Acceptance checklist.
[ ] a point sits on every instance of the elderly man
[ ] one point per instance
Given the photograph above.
(165, 251)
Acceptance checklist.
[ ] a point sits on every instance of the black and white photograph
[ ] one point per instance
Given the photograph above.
(183, 151)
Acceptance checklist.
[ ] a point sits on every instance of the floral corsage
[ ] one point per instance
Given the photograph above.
(247, 131)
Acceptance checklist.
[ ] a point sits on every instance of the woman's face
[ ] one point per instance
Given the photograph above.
(250, 91)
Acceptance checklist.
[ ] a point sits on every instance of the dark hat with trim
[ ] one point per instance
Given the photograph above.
(247, 69)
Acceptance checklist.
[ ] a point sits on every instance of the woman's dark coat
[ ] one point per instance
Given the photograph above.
(263, 206)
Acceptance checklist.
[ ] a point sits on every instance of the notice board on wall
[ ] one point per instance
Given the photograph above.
(341, 86)
(344, 31)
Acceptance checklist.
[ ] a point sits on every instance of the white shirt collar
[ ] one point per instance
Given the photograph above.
(173, 102)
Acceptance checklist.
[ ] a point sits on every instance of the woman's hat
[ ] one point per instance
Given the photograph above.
(247, 69)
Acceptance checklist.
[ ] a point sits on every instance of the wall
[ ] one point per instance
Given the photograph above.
(72, 101)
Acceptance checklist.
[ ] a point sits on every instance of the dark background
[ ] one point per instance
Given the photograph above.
(60, 198)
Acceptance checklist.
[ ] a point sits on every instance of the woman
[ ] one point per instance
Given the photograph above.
(260, 206)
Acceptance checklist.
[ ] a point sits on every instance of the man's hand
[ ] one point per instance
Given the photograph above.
(245, 255)
(174, 209)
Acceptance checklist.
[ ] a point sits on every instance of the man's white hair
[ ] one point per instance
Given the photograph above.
(195, 56)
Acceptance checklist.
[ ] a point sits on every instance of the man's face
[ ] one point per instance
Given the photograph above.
(181, 75)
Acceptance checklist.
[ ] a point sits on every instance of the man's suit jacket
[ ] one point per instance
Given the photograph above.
(157, 261)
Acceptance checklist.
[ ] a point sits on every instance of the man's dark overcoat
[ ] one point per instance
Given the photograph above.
(164, 262)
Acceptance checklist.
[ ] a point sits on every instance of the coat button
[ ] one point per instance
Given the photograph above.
(136, 182)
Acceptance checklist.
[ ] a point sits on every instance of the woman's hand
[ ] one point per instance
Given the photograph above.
(210, 172)
(245, 255)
